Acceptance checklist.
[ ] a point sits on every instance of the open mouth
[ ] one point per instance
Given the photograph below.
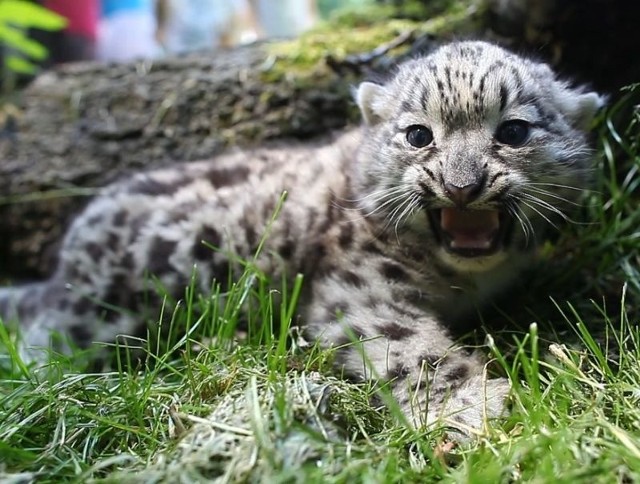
(470, 233)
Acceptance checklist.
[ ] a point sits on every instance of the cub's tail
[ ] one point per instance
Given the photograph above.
(19, 303)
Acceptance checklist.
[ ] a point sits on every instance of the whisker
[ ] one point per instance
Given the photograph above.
(523, 219)
(543, 204)
(398, 208)
(399, 211)
(391, 201)
(552, 195)
(381, 199)
(375, 198)
(532, 207)
(567, 187)
(513, 210)
(552, 208)
(376, 195)
(556, 185)
(413, 203)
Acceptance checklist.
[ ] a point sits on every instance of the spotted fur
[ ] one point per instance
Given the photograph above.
(360, 221)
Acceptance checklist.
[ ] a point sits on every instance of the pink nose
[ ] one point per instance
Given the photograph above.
(461, 196)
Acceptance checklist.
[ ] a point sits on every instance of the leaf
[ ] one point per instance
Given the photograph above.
(16, 38)
(26, 14)
(19, 65)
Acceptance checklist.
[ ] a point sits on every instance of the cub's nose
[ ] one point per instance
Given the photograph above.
(462, 196)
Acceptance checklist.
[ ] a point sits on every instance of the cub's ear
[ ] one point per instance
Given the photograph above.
(585, 107)
(580, 107)
(371, 100)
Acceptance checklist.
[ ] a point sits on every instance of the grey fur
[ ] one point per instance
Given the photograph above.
(355, 223)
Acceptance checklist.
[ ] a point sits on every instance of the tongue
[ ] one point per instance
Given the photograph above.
(470, 229)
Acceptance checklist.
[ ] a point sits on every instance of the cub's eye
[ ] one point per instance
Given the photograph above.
(419, 136)
(513, 133)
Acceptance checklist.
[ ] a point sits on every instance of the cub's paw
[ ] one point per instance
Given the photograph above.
(466, 409)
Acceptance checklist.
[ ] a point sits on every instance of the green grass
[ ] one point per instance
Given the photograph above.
(263, 405)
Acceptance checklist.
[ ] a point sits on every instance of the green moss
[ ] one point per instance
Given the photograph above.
(305, 57)
(417, 10)
(357, 32)
(362, 16)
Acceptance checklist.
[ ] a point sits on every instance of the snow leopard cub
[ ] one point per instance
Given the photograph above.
(401, 228)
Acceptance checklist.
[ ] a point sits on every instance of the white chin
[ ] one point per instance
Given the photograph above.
(471, 264)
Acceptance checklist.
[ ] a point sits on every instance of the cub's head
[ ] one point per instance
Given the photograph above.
(476, 148)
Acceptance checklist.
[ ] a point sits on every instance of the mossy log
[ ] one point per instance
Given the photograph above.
(85, 125)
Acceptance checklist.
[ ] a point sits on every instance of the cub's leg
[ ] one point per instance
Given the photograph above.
(379, 337)
(52, 315)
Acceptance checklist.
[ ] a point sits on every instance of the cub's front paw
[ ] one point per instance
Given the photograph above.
(466, 409)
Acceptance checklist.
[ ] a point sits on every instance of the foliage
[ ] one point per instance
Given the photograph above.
(16, 17)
